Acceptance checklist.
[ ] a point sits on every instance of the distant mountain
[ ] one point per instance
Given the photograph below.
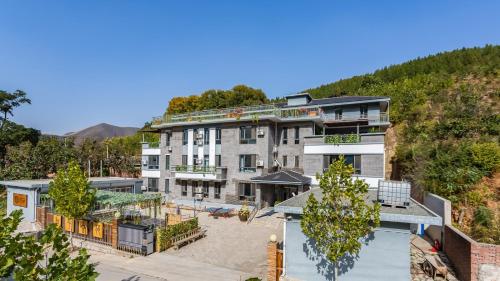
(100, 132)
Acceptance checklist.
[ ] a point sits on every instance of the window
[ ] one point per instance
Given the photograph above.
(218, 161)
(363, 111)
(153, 162)
(193, 188)
(167, 162)
(184, 188)
(206, 136)
(205, 160)
(184, 136)
(284, 160)
(217, 190)
(152, 184)
(354, 160)
(297, 135)
(218, 135)
(184, 160)
(205, 189)
(247, 135)
(285, 135)
(247, 191)
(195, 136)
(248, 163)
(167, 186)
(338, 114)
(167, 139)
(296, 164)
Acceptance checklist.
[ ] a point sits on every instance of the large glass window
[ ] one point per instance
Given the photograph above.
(193, 188)
(285, 135)
(247, 191)
(285, 158)
(206, 136)
(296, 164)
(167, 139)
(167, 186)
(248, 135)
(195, 136)
(185, 136)
(354, 160)
(184, 160)
(297, 135)
(217, 190)
(218, 135)
(205, 189)
(338, 114)
(167, 162)
(184, 188)
(205, 160)
(218, 160)
(363, 111)
(248, 163)
(153, 162)
(152, 184)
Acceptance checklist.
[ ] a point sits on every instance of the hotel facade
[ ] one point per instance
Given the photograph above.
(265, 154)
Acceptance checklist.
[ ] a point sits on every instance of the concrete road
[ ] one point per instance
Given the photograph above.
(160, 266)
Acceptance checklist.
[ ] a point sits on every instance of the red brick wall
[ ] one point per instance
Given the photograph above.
(467, 255)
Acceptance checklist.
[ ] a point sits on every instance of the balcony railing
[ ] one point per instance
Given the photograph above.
(372, 118)
(182, 170)
(150, 144)
(347, 138)
(245, 113)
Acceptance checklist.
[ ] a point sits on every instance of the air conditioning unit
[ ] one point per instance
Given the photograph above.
(275, 149)
(169, 148)
(199, 136)
(199, 142)
(260, 132)
(199, 161)
(260, 163)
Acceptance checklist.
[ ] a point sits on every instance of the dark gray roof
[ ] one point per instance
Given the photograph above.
(415, 213)
(283, 177)
(345, 99)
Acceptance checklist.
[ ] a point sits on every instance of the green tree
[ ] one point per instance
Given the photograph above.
(14, 134)
(73, 197)
(24, 258)
(9, 101)
(342, 218)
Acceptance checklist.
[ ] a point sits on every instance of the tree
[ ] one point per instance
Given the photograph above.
(14, 134)
(24, 258)
(9, 101)
(73, 197)
(342, 217)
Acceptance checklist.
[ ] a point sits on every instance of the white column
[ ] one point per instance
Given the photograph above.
(211, 148)
(201, 152)
(190, 147)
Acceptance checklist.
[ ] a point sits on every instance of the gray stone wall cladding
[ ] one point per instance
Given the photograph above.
(313, 163)
(372, 138)
(372, 165)
(291, 149)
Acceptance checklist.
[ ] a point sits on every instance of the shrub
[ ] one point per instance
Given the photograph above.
(486, 156)
(165, 235)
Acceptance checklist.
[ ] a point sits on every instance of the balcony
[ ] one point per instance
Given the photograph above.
(150, 145)
(368, 143)
(151, 148)
(193, 172)
(371, 119)
(252, 113)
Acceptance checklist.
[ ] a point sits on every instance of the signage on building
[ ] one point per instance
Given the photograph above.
(97, 230)
(20, 200)
(69, 225)
(57, 220)
(82, 227)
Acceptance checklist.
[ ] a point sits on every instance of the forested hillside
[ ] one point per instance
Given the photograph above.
(445, 111)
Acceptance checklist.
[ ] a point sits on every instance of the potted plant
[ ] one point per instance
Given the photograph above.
(244, 212)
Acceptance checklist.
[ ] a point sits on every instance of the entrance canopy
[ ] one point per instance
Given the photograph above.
(284, 177)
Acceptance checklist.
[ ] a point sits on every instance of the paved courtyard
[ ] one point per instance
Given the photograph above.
(232, 250)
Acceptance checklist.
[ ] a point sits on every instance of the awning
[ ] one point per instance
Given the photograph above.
(284, 177)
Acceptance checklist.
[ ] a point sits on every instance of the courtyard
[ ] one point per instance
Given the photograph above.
(231, 250)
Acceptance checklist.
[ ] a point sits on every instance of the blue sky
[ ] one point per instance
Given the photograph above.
(120, 62)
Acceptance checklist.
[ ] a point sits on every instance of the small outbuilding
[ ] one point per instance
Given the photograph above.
(387, 247)
(26, 194)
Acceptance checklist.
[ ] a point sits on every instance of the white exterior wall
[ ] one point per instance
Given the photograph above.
(370, 148)
(151, 151)
(150, 174)
(29, 213)
(211, 148)
(190, 147)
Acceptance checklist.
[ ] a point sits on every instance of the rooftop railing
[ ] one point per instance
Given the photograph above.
(382, 117)
(237, 113)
